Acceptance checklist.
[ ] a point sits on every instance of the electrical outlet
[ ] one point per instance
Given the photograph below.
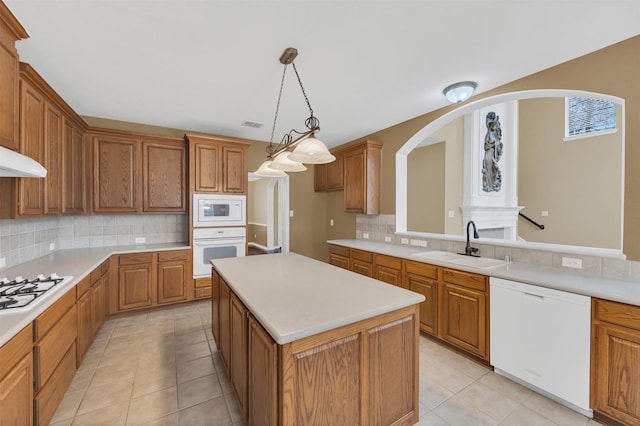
(387, 239)
(365, 236)
(422, 243)
(331, 222)
(570, 262)
(452, 213)
(544, 213)
(404, 241)
(3, 262)
(290, 213)
(140, 240)
(52, 246)
(415, 242)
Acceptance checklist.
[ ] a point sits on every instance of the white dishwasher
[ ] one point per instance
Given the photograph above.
(540, 337)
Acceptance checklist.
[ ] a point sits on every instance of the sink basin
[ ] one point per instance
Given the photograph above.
(444, 256)
(479, 262)
(459, 259)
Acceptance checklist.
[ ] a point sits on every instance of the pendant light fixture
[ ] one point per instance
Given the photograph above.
(460, 92)
(306, 148)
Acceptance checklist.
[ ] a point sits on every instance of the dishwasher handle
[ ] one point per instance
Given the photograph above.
(537, 296)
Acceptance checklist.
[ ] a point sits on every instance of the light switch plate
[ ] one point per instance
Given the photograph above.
(404, 241)
(387, 239)
(140, 240)
(3, 262)
(365, 236)
(570, 262)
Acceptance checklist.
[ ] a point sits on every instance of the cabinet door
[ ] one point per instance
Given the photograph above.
(98, 306)
(135, 286)
(234, 173)
(16, 395)
(9, 99)
(224, 345)
(338, 260)
(335, 174)
(54, 147)
(115, 175)
(31, 190)
(172, 281)
(319, 177)
(164, 177)
(85, 327)
(263, 377)
(72, 170)
(362, 267)
(238, 369)
(388, 269)
(617, 381)
(355, 175)
(207, 174)
(463, 318)
(215, 306)
(429, 308)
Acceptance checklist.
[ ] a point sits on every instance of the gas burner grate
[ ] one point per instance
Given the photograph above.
(20, 292)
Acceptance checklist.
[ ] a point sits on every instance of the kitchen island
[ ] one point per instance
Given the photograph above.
(309, 343)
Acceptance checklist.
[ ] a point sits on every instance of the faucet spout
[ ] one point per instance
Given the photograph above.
(471, 251)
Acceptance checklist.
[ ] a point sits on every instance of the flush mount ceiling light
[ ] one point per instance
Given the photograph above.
(460, 92)
(306, 148)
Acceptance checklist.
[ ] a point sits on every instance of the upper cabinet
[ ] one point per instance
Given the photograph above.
(217, 165)
(361, 164)
(50, 133)
(330, 176)
(134, 173)
(10, 32)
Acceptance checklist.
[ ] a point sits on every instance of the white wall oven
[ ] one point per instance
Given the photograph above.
(216, 243)
(219, 210)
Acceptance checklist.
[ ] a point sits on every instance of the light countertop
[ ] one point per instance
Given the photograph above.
(556, 278)
(73, 262)
(294, 296)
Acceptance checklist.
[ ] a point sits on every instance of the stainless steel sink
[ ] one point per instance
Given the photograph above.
(459, 259)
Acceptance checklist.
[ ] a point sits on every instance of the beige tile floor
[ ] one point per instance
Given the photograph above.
(163, 368)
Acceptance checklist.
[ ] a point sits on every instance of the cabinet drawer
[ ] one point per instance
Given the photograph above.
(15, 349)
(50, 350)
(617, 313)
(203, 282)
(49, 318)
(47, 400)
(389, 261)
(365, 256)
(135, 258)
(465, 279)
(99, 271)
(82, 287)
(202, 292)
(339, 250)
(422, 269)
(168, 256)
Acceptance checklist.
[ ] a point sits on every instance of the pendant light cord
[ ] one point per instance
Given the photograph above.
(310, 122)
(275, 118)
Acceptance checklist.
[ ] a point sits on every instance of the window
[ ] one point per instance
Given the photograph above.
(586, 116)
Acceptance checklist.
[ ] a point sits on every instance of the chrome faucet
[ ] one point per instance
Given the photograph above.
(471, 251)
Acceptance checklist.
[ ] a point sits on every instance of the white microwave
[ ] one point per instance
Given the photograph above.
(219, 210)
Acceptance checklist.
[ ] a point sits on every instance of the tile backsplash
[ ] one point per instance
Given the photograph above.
(25, 239)
(381, 228)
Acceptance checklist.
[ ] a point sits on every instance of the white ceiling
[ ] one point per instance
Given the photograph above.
(366, 65)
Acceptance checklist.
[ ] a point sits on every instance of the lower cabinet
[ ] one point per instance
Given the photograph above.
(84, 318)
(238, 323)
(388, 269)
(615, 362)
(339, 256)
(152, 278)
(202, 288)
(423, 278)
(16, 380)
(224, 321)
(361, 262)
(262, 393)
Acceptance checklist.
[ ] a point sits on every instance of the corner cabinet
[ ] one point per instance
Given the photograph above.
(10, 32)
(135, 173)
(615, 362)
(217, 165)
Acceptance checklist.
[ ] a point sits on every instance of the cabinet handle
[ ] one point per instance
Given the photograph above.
(534, 295)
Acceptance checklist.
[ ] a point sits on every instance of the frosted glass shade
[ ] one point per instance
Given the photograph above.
(265, 171)
(312, 151)
(284, 163)
(460, 92)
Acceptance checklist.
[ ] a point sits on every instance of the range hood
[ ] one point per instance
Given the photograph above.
(14, 164)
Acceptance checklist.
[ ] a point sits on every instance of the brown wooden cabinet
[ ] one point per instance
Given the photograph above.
(362, 175)
(361, 262)
(330, 176)
(164, 171)
(136, 173)
(173, 275)
(463, 311)
(238, 324)
(54, 352)
(388, 269)
(224, 302)
(339, 256)
(615, 362)
(136, 279)
(217, 165)
(73, 166)
(53, 143)
(16, 380)
(202, 288)
(10, 32)
(85, 326)
(262, 392)
(423, 278)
